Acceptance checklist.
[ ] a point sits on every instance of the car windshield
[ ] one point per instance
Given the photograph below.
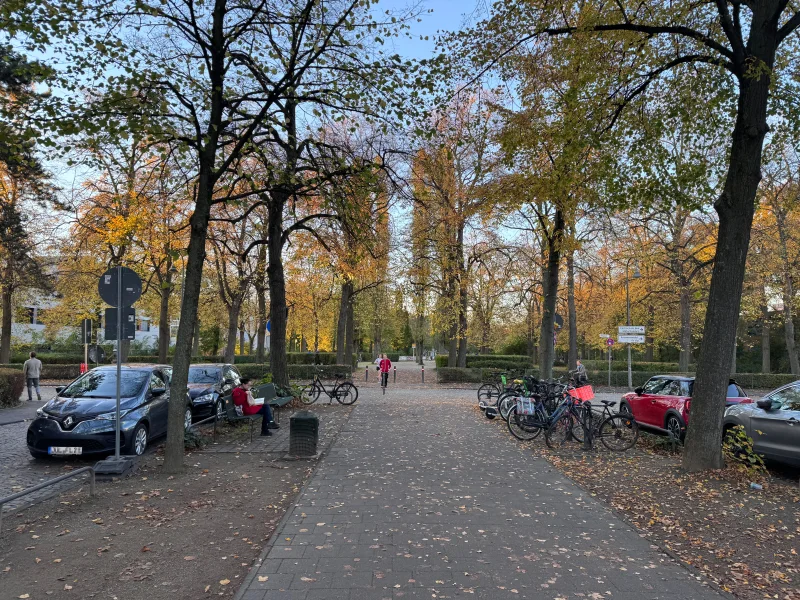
(103, 384)
(200, 375)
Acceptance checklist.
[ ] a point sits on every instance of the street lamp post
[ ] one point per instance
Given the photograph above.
(636, 275)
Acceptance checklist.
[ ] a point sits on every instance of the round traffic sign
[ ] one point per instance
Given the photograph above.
(269, 326)
(610, 342)
(131, 286)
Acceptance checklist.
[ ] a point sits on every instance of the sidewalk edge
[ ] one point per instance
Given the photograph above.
(251, 575)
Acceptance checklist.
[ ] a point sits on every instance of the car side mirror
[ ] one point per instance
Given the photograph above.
(156, 392)
(639, 391)
(59, 389)
(764, 404)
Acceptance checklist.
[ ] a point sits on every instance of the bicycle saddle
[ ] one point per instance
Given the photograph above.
(608, 402)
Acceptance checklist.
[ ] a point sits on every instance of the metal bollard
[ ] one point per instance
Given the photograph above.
(423, 373)
(395, 375)
(366, 373)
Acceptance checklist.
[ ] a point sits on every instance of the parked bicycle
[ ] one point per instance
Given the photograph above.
(344, 392)
(489, 393)
(617, 431)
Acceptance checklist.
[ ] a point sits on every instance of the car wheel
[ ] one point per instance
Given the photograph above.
(187, 418)
(674, 427)
(138, 443)
(625, 409)
(220, 410)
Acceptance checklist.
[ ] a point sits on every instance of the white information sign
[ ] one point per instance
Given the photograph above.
(631, 330)
(630, 339)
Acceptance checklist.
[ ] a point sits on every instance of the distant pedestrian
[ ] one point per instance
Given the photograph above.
(32, 371)
(581, 376)
(384, 366)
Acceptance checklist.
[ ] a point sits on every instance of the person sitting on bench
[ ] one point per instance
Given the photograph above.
(242, 397)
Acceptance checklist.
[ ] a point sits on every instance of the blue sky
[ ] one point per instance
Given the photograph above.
(447, 15)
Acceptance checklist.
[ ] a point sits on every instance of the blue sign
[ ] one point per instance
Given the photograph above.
(269, 326)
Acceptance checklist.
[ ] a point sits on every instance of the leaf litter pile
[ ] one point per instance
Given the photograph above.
(746, 541)
(151, 536)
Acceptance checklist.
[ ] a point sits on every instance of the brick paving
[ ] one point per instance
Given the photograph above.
(419, 499)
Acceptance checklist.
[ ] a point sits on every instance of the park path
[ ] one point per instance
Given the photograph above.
(418, 498)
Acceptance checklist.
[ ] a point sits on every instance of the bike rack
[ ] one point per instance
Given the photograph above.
(48, 483)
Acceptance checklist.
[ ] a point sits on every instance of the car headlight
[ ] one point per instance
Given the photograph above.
(205, 399)
(101, 423)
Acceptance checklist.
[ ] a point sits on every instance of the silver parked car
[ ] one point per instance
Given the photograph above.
(773, 423)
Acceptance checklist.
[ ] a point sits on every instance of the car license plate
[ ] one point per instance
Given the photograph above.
(65, 450)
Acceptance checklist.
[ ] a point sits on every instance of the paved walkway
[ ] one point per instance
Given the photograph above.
(419, 499)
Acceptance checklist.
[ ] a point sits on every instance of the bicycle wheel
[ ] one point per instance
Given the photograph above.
(560, 431)
(309, 394)
(346, 393)
(488, 392)
(524, 427)
(619, 432)
(505, 403)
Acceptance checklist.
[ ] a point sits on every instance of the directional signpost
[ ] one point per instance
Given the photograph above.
(630, 334)
(609, 343)
(120, 287)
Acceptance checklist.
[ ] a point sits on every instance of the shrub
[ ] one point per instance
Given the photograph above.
(737, 447)
(257, 372)
(458, 375)
(11, 385)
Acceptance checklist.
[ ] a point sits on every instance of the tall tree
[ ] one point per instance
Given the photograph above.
(748, 42)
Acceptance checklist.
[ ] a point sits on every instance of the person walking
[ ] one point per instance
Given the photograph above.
(384, 366)
(32, 371)
(244, 398)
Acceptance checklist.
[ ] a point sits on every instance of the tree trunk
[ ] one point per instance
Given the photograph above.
(686, 330)
(241, 338)
(163, 321)
(733, 356)
(572, 358)
(735, 208)
(277, 289)
(550, 288)
(196, 339)
(341, 327)
(5, 337)
(452, 348)
(649, 350)
(350, 332)
(765, 351)
(173, 453)
(261, 298)
(233, 330)
(463, 298)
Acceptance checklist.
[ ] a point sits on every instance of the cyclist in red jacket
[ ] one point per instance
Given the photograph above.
(385, 365)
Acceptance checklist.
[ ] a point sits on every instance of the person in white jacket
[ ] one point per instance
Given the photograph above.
(32, 371)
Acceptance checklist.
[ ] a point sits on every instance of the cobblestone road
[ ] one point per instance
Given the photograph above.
(418, 499)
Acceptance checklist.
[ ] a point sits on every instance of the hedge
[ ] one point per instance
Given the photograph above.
(749, 381)
(293, 358)
(296, 371)
(52, 371)
(621, 365)
(11, 385)
(487, 360)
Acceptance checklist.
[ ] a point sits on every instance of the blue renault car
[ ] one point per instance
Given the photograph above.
(81, 419)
